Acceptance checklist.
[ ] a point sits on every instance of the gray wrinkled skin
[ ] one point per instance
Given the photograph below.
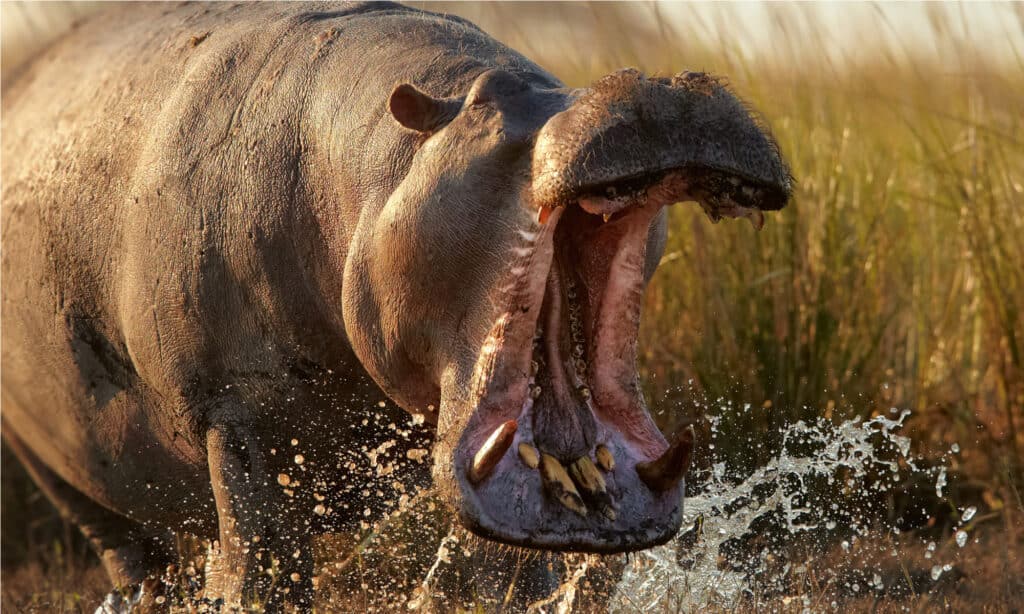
(226, 226)
(627, 126)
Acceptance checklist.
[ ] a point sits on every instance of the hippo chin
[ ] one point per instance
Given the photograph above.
(229, 229)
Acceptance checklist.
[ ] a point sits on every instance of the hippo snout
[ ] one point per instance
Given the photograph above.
(629, 132)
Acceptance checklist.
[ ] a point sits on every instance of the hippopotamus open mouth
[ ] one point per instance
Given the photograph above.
(561, 452)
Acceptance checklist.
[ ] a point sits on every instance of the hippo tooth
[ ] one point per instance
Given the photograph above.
(492, 451)
(581, 367)
(666, 471)
(586, 476)
(577, 350)
(756, 218)
(529, 455)
(559, 484)
(535, 392)
(605, 458)
(607, 216)
(534, 367)
(584, 392)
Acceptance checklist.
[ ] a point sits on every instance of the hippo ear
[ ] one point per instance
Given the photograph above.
(420, 111)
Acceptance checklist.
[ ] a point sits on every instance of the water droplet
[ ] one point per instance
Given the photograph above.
(299, 459)
(969, 513)
(283, 479)
(961, 538)
(940, 483)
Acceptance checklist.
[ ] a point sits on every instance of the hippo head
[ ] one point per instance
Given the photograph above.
(499, 290)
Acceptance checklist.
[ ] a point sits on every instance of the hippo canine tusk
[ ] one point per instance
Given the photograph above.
(492, 451)
(666, 471)
(560, 485)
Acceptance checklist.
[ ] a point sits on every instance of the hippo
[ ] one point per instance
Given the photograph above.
(230, 229)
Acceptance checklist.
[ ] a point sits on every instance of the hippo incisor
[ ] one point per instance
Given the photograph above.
(221, 221)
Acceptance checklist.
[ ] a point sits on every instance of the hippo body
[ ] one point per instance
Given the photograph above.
(228, 234)
(177, 225)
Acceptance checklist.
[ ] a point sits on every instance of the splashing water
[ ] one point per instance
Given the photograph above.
(823, 488)
(688, 573)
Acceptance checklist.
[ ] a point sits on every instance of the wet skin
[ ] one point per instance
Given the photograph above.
(230, 227)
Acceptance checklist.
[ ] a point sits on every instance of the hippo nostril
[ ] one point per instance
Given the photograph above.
(487, 458)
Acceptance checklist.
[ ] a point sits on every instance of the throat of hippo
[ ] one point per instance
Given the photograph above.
(562, 419)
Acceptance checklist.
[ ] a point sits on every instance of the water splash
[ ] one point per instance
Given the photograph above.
(824, 487)
(779, 500)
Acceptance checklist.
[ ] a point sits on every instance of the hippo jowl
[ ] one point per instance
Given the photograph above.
(213, 214)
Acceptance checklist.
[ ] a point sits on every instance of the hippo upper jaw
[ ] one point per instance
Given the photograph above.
(628, 133)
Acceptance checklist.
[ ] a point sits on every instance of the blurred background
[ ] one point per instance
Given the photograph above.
(895, 279)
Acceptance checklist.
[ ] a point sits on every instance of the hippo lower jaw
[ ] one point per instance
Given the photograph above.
(560, 452)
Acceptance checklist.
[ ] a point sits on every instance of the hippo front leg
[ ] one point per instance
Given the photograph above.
(264, 559)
